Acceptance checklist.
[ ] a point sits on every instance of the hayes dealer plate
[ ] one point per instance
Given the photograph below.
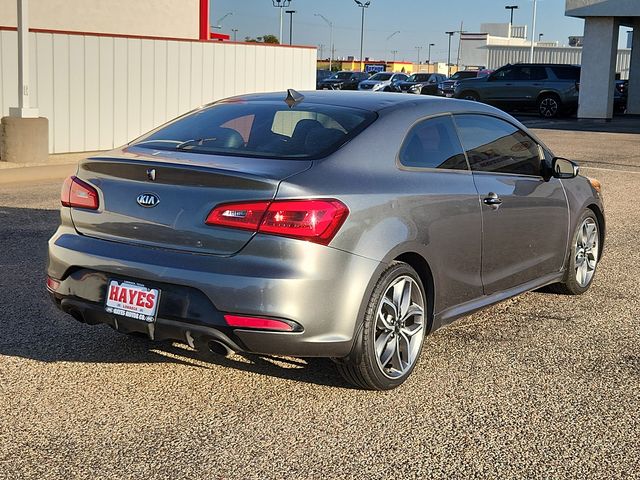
(132, 300)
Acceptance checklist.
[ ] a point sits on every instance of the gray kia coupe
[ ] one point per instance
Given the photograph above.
(326, 224)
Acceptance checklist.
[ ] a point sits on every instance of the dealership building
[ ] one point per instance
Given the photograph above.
(97, 74)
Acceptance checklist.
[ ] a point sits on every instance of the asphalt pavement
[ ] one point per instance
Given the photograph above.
(540, 386)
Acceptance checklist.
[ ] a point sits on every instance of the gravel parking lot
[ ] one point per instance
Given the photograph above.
(539, 386)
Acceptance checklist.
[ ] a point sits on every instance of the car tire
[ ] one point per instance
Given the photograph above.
(395, 323)
(469, 95)
(583, 257)
(549, 106)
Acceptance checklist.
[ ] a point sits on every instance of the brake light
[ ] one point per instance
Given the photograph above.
(76, 193)
(259, 323)
(312, 220)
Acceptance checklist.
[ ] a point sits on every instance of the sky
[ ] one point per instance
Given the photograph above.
(420, 22)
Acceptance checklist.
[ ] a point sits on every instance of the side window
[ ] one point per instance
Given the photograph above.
(433, 143)
(507, 74)
(493, 145)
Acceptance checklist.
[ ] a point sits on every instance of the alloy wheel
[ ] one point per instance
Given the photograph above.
(549, 107)
(587, 243)
(399, 327)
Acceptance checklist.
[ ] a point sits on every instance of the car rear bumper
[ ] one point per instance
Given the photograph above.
(319, 288)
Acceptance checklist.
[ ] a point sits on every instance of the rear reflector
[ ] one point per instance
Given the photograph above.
(259, 323)
(313, 220)
(76, 193)
(52, 284)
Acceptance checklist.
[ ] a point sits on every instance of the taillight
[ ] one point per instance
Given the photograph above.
(257, 322)
(313, 220)
(76, 193)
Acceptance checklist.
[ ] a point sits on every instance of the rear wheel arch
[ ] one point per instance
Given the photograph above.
(422, 268)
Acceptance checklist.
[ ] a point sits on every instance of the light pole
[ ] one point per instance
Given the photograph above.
(290, 12)
(218, 24)
(235, 34)
(540, 35)
(394, 52)
(430, 45)
(512, 8)
(386, 42)
(533, 29)
(330, 23)
(449, 54)
(281, 4)
(363, 6)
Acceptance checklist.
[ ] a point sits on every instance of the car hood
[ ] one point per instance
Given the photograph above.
(373, 82)
(471, 81)
(332, 80)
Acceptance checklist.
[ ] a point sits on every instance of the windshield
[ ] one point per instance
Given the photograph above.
(261, 129)
(417, 77)
(381, 77)
(341, 76)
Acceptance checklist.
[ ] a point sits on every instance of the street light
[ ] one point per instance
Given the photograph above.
(218, 24)
(364, 6)
(512, 8)
(386, 42)
(290, 12)
(235, 34)
(281, 4)
(430, 45)
(330, 23)
(449, 54)
(394, 52)
(540, 35)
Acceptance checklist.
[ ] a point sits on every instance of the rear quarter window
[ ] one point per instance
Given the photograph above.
(567, 73)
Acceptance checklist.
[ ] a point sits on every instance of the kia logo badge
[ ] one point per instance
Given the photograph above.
(148, 200)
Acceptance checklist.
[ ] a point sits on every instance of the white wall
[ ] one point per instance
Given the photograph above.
(99, 92)
(159, 18)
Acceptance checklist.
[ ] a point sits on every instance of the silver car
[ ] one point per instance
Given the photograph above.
(382, 82)
(328, 224)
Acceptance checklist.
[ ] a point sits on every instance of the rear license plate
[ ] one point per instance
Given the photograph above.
(132, 300)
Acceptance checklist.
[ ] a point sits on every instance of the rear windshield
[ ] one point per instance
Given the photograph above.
(261, 129)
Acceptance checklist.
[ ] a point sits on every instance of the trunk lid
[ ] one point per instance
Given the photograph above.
(161, 200)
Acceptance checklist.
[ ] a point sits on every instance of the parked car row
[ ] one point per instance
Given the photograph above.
(549, 89)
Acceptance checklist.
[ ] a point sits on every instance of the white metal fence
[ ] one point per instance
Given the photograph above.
(99, 92)
(499, 55)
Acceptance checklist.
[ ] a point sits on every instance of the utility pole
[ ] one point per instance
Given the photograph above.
(394, 52)
(418, 49)
(331, 47)
(363, 6)
(235, 34)
(321, 48)
(290, 12)
(386, 42)
(449, 54)
(533, 29)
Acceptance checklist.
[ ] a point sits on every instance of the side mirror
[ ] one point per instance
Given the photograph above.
(563, 168)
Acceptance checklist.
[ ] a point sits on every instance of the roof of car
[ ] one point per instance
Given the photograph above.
(374, 102)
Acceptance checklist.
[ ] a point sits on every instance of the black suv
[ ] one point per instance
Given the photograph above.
(550, 89)
(421, 83)
(342, 81)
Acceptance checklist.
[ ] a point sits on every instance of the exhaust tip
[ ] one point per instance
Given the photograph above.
(219, 348)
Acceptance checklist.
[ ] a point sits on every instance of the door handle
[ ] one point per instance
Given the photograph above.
(493, 200)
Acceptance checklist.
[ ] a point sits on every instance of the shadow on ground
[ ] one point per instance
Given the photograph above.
(32, 327)
(619, 123)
